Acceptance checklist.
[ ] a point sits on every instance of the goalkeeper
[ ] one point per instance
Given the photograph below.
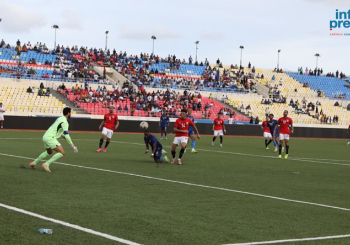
(58, 128)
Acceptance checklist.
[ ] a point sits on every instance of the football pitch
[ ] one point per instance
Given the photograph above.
(240, 193)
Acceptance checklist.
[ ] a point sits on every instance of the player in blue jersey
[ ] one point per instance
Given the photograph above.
(163, 123)
(272, 124)
(191, 133)
(158, 154)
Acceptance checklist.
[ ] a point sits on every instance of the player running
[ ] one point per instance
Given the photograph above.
(1, 116)
(267, 133)
(272, 124)
(284, 123)
(157, 148)
(109, 123)
(219, 129)
(190, 131)
(181, 127)
(58, 128)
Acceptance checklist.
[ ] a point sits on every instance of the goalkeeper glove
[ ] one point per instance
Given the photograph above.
(75, 149)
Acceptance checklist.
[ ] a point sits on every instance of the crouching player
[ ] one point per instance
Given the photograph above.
(158, 154)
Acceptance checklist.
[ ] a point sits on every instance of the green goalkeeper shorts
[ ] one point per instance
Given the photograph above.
(51, 143)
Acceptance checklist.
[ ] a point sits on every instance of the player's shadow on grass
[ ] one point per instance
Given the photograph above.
(150, 162)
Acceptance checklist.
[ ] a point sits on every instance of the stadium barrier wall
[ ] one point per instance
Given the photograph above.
(132, 126)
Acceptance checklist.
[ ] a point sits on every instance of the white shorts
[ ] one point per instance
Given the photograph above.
(180, 140)
(2, 118)
(107, 132)
(284, 136)
(267, 135)
(218, 133)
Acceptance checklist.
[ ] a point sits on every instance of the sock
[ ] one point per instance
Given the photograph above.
(221, 138)
(165, 134)
(280, 149)
(54, 158)
(269, 142)
(101, 142)
(287, 149)
(41, 157)
(181, 153)
(274, 143)
(214, 138)
(193, 144)
(265, 142)
(107, 143)
(173, 153)
(163, 159)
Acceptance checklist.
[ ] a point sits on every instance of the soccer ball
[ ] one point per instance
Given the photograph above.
(144, 125)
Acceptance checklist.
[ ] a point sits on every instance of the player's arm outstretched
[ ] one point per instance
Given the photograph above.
(196, 131)
(223, 127)
(102, 124)
(154, 149)
(291, 127)
(116, 125)
(67, 137)
(147, 147)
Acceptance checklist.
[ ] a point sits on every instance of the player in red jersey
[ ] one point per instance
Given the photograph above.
(181, 127)
(284, 123)
(109, 123)
(267, 132)
(218, 128)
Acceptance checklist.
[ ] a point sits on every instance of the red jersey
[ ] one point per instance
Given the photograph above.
(183, 124)
(110, 120)
(284, 123)
(265, 127)
(218, 124)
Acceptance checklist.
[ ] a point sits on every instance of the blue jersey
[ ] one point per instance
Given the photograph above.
(154, 142)
(164, 120)
(190, 129)
(272, 125)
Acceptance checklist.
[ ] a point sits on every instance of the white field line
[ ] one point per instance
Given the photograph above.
(294, 240)
(312, 160)
(192, 184)
(76, 227)
(302, 159)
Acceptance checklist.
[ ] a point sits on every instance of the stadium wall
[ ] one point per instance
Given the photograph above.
(132, 126)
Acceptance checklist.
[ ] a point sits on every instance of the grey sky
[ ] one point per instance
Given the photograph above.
(300, 28)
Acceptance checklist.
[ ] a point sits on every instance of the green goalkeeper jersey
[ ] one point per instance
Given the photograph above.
(59, 127)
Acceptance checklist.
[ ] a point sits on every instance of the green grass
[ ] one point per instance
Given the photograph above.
(150, 211)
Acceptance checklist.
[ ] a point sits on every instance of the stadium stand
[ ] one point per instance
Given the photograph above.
(20, 99)
(309, 99)
(331, 87)
(146, 104)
